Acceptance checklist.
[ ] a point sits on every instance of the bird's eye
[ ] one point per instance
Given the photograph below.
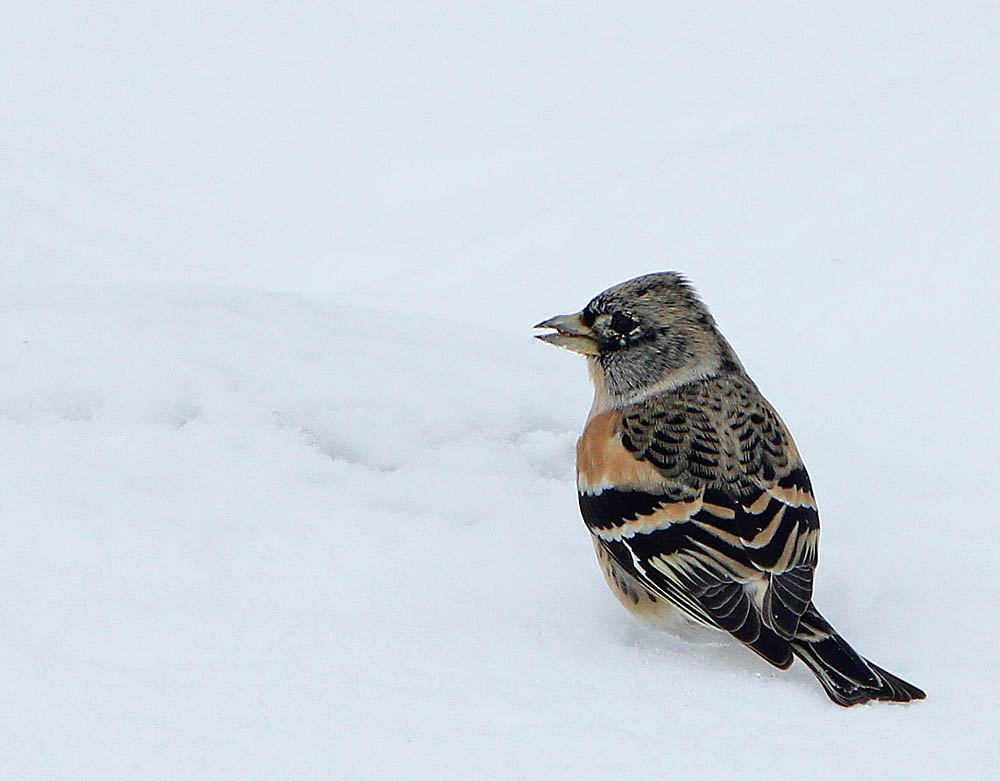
(623, 324)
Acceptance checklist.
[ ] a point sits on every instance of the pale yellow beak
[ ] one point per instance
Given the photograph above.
(571, 333)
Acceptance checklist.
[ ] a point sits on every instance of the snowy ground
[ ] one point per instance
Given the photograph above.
(288, 485)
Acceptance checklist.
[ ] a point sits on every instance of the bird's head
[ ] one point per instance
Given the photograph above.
(644, 336)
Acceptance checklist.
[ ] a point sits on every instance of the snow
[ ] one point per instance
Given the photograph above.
(288, 485)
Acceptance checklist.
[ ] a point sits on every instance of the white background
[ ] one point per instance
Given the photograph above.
(287, 487)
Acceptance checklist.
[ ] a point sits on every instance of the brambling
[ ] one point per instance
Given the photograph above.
(692, 488)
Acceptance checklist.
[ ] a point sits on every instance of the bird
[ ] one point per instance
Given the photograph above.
(692, 488)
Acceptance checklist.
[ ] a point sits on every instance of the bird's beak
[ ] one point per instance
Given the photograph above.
(571, 333)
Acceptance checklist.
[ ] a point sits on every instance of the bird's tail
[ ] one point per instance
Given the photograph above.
(849, 678)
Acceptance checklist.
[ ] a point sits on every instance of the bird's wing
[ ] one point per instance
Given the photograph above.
(713, 511)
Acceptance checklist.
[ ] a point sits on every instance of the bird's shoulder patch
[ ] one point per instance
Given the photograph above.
(605, 460)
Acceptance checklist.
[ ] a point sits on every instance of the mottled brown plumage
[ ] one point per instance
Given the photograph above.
(693, 489)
